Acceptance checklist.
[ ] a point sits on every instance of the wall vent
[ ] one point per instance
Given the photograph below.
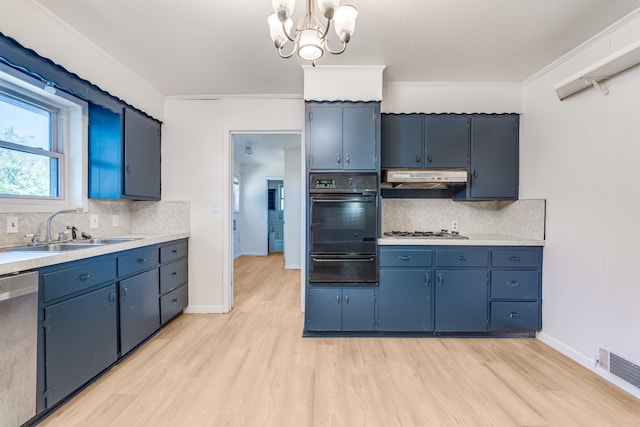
(620, 367)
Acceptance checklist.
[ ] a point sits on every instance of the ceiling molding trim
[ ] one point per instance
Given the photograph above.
(584, 45)
(236, 96)
(458, 84)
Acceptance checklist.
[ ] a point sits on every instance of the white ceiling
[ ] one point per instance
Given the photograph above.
(214, 47)
(266, 148)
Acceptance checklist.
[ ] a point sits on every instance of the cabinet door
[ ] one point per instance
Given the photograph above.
(80, 339)
(359, 142)
(141, 156)
(139, 309)
(461, 300)
(105, 153)
(325, 137)
(494, 157)
(358, 309)
(446, 141)
(405, 300)
(401, 141)
(324, 309)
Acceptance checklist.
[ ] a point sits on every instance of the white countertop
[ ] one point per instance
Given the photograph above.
(11, 262)
(473, 240)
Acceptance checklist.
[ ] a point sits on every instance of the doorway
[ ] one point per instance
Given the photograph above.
(264, 222)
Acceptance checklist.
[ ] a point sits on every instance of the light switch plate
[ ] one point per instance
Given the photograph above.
(12, 224)
(93, 221)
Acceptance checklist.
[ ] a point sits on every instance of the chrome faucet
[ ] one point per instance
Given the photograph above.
(49, 237)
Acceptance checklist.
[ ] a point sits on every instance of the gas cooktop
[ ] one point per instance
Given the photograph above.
(442, 234)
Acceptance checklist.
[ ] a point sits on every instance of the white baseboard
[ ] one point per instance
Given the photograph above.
(588, 363)
(254, 254)
(292, 266)
(204, 309)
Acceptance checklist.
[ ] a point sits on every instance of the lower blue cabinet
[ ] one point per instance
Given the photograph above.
(461, 300)
(341, 309)
(139, 309)
(80, 339)
(405, 300)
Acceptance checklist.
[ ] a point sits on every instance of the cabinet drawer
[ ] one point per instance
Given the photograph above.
(138, 260)
(81, 276)
(173, 275)
(173, 251)
(514, 258)
(515, 316)
(462, 258)
(405, 258)
(514, 284)
(173, 303)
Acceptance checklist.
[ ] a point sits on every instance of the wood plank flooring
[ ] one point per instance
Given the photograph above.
(252, 368)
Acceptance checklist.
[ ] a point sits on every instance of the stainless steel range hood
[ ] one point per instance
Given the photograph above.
(424, 178)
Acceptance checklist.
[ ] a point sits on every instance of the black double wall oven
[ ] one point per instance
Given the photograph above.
(343, 228)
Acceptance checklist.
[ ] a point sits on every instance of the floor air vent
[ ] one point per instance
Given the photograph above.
(620, 367)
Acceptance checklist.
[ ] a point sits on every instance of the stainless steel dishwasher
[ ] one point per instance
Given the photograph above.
(18, 340)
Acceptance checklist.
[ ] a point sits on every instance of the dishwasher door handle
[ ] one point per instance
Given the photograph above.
(17, 285)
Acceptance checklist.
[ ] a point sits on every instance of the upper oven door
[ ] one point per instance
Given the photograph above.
(343, 223)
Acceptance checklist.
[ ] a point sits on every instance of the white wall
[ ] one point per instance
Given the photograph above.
(196, 166)
(35, 28)
(581, 155)
(253, 206)
(293, 208)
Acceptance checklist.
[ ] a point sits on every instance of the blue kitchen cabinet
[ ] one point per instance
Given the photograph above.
(493, 172)
(174, 275)
(425, 141)
(405, 294)
(80, 339)
(139, 309)
(343, 136)
(516, 291)
(124, 154)
(340, 309)
(461, 300)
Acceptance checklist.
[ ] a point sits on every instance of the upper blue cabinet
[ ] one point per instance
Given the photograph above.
(124, 154)
(425, 141)
(343, 135)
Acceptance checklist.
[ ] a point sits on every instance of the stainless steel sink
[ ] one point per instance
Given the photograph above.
(73, 245)
(54, 247)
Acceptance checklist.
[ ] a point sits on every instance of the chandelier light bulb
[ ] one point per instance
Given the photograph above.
(345, 22)
(310, 45)
(276, 31)
(283, 8)
(328, 7)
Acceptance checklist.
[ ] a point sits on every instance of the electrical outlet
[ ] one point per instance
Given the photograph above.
(93, 221)
(454, 226)
(12, 224)
(115, 220)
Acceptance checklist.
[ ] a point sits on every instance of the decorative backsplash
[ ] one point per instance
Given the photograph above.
(521, 218)
(115, 218)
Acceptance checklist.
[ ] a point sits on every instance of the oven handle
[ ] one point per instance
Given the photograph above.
(344, 259)
(349, 200)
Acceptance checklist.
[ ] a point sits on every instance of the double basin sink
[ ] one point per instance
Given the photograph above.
(70, 245)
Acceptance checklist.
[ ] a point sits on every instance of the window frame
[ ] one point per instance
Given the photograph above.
(70, 131)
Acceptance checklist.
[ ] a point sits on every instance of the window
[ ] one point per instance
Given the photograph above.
(30, 152)
(43, 136)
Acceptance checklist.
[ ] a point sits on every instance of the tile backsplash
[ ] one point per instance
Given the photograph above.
(521, 218)
(115, 218)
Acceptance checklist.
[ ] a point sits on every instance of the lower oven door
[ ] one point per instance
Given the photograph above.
(357, 269)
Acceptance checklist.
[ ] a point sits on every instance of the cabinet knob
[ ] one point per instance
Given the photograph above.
(83, 277)
(346, 298)
(123, 291)
(418, 158)
(475, 173)
(427, 279)
(142, 260)
(175, 273)
(515, 258)
(347, 159)
(514, 315)
(429, 158)
(405, 257)
(461, 258)
(112, 297)
(337, 298)
(514, 283)
(128, 169)
(174, 251)
(440, 280)
(338, 159)
(175, 300)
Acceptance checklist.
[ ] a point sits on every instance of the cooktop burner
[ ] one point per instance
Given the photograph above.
(442, 234)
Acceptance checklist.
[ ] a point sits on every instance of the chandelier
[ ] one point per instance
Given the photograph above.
(311, 38)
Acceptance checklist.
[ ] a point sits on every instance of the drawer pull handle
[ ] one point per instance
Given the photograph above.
(461, 258)
(174, 251)
(405, 257)
(123, 291)
(514, 283)
(142, 260)
(515, 258)
(427, 279)
(112, 297)
(175, 273)
(338, 299)
(346, 298)
(513, 315)
(440, 281)
(175, 300)
(83, 277)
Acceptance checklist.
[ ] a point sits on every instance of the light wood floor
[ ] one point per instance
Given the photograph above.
(252, 368)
